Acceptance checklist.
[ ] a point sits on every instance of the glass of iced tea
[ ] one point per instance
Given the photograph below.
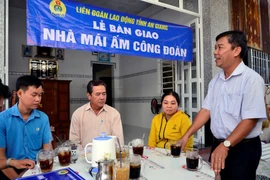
(137, 146)
(124, 153)
(121, 170)
(173, 149)
(136, 167)
(64, 154)
(45, 160)
(193, 160)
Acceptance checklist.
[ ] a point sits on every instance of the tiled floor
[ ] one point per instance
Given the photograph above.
(133, 132)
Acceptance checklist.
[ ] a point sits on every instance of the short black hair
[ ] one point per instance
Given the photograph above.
(25, 81)
(4, 91)
(93, 83)
(236, 38)
(173, 93)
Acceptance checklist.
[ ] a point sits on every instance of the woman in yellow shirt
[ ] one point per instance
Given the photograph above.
(169, 125)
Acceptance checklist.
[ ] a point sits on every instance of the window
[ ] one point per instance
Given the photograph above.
(260, 62)
(167, 76)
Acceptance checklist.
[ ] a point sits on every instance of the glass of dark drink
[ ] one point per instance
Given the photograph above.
(45, 159)
(64, 154)
(137, 146)
(173, 149)
(135, 168)
(193, 160)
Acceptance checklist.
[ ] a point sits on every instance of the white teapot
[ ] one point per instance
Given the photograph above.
(103, 147)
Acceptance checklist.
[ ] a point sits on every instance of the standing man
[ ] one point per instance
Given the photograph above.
(89, 120)
(23, 129)
(235, 104)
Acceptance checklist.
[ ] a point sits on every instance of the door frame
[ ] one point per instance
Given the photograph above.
(112, 66)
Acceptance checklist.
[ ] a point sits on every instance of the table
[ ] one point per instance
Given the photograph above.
(157, 166)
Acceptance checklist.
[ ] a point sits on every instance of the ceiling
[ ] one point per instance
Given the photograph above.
(124, 6)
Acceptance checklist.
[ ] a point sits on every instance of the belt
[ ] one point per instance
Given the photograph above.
(243, 141)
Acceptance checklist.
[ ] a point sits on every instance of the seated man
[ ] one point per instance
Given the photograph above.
(19, 164)
(23, 129)
(89, 120)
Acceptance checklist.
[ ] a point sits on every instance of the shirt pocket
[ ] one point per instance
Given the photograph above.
(232, 104)
(35, 141)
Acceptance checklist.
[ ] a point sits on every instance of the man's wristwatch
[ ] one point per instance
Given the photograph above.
(227, 143)
(8, 162)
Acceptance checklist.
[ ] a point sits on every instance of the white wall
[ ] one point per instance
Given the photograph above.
(138, 85)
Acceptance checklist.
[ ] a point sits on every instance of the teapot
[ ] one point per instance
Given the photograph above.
(102, 147)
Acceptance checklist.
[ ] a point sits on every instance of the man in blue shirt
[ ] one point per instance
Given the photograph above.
(24, 130)
(235, 104)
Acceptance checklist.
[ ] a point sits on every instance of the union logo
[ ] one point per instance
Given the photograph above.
(58, 8)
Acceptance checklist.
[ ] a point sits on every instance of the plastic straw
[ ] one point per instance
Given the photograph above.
(120, 152)
(143, 136)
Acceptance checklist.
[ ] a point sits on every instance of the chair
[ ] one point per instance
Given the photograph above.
(13, 98)
(63, 131)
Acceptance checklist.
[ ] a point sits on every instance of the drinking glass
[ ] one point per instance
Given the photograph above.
(125, 151)
(137, 146)
(173, 148)
(193, 159)
(121, 170)
(45, 159)
(74, 146)
(136, 166)
(64, 154)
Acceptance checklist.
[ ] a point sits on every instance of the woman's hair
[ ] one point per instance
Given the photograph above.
(4, 91)
(174, 94)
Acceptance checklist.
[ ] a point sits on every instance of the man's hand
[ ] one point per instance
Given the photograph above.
(218, 158)
(183, 141)
(22, 164)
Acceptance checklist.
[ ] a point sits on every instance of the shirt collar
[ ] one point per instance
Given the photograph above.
(88, 107)
(238, 70)
(14, 111)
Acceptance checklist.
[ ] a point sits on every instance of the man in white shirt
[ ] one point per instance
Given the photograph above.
(235, 104)
(89, 120)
